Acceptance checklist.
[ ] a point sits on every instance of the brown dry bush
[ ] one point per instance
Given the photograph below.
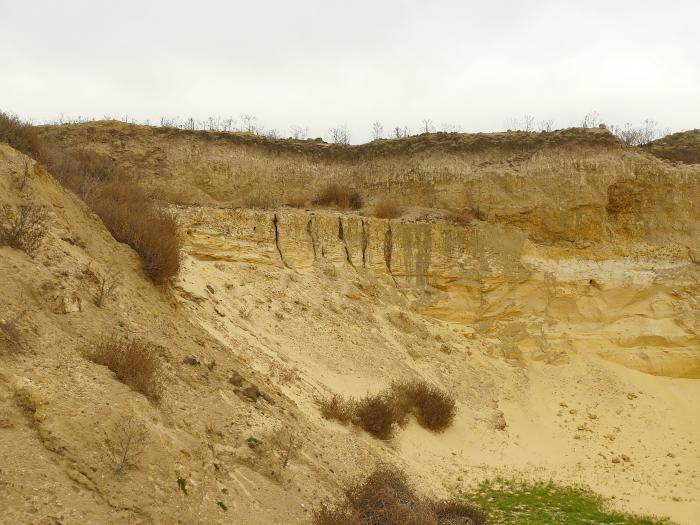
(380, 413)
(79, 171)
(126, 210)
(339, 196)
(376, 415)
(297, 201)
(338, 408)
(125, 444)
(133, 218)
(133, 361)
(23, 229)
(432, 407)
(386, 497)
(18, 134)
(385, 208)
(260, 200)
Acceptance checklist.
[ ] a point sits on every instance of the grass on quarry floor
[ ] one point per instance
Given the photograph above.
(508, 502)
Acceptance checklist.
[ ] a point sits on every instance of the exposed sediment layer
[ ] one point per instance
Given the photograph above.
(529, 302)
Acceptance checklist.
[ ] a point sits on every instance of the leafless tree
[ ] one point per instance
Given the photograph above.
(340, 135)
(377, 131)
(106, 286)
(426, 126)
(24, 228)
(249, 124)
(400, 132)
(125, 444)
(591, 120)
(299, 133)
(450, 128)
(647, 131)
(546, 125)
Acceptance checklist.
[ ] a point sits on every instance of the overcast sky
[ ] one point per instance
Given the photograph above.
(323, 63)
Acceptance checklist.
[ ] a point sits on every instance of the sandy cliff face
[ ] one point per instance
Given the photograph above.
(560, 308)
(526, 300)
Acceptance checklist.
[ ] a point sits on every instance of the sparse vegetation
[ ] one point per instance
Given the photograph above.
(376, 414)
(9, 332)
(339, 196)
(18, 134)
(23, 228)
(107, 283)
(261, 200)
(297, 201)
(380, 413)
(509, 502)
(339, 135)
(386, 497)
(125, 443)
(92, 176)
(386, 208)
(338, 408)
(432, 407)
(133, 361)
(151, 232)
(647, 131)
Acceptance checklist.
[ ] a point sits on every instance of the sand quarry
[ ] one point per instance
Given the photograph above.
(549, 281)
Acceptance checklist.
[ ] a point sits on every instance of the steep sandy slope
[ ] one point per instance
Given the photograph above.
(567, 413)
(57, 409)
(577, 249)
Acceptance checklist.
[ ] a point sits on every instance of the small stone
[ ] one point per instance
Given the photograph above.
(191, 360)
(615, 459)
(236, 379)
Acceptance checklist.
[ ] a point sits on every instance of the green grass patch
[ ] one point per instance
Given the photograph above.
(508, 502)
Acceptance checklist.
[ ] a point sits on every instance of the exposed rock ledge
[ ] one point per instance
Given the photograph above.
(524, 300)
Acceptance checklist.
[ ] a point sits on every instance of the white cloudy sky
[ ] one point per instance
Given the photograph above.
(316, 63)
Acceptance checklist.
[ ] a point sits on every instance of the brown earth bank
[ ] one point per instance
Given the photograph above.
(548, 281)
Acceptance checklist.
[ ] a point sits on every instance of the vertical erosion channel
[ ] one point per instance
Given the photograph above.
(277, 240)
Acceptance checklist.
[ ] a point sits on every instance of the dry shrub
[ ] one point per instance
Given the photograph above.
(432, 407)
(338, 408)
(125, 443)
(386, 497)
(134, 362)
(297, 201)
(386, 208)
(134, 219)
(339, 196)
(260, 200)
(127, 212)
(375, 414)
(378, 414)
(23, 229)
(18, 134)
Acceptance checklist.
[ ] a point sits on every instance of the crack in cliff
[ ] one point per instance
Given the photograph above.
(365, 243)
(309, 230)
(388, 248)
(341, 236)
(277, 240)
